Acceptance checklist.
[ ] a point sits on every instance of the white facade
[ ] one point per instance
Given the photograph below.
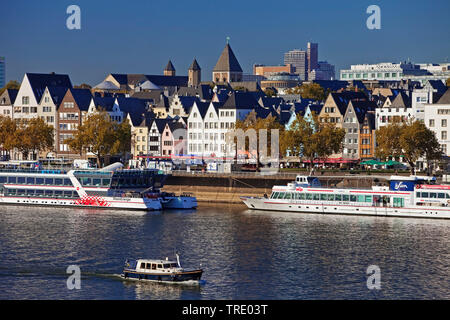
(25, 105)
(437, 119)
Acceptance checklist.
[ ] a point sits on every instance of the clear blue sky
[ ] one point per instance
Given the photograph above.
(141, 36)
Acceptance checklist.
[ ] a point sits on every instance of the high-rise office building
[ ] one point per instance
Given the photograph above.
(2, 72)
(298, 59)
(313, 56)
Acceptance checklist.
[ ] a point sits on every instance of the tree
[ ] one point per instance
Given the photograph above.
(447, 83)
(122, 144)
(270, 92)
(309, 91)
(83, 86)
(10, 85)
(252, 121)
(8, 128)
(312, 139)
(411, 140)
(96, 134)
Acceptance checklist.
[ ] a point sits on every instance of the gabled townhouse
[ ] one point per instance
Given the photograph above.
(195, 131)
(181, 105)
(49, 104)
(336, 104)
(7, 99)
(155, 132)
(353, 121)
(174, 139)
(393, 110)
(429, 94)
(72, 109)
(367, 137)
(31, 90)
(107, 104)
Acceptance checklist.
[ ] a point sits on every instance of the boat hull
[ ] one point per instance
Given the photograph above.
(193, 275)
(179, 202)
(256, 203)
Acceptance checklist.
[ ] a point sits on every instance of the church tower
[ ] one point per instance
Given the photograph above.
(194, 74)
(227, 68)
(169, 70)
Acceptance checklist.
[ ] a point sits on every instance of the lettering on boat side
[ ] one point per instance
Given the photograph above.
(374, 279)
(74, 280)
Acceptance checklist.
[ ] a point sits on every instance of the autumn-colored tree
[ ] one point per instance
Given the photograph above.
(411, 140)
(270, 92)
(8, 128)
(10, 85)
(122, 143)
(312, 139)
(95, 134)
(309, 91)
(253, 122)
(447, 82)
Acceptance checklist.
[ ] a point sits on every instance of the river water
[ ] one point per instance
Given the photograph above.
(245, 254)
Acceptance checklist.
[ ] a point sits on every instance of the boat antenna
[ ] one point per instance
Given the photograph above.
(178, 259)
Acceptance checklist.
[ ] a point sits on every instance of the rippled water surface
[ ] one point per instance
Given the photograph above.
(245, 254)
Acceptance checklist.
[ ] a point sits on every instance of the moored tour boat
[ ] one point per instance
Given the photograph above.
(414, 196)
(159, 270)
(183, 201)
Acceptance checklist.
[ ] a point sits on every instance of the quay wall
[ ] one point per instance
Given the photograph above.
(227, 188)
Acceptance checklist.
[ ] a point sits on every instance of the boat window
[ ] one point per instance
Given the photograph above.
(361, 198)
(418, 194)
(296, 195)
(338, 197)
(368, 198)
(301, 196)
(58, 193)
(30, 193)
(159, 266)
(353, 198)
(331, 197)
(86, 181)
(11, 192)
(447, 196)
(166, 265)
(432, 194)
(142, 265)
(309, 196)
(173, 265)
(424, 194)
(441, 195)
(67, 182)
(49, 181)
(96, 182)
(399, 202)
(149, 266)
(30, 180)
(58, 181)
(48, 193)
(21, 192)
(287, 195)
(39, 180)
(345, 197)
(20, 180)
(153, 266)
(323, 197)
(316, 196)
(39, 193)
(106, 182)
(274, 195)
(67, 194)
(2, 179)
(12, 180)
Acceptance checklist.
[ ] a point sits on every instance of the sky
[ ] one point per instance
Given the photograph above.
(141, 36)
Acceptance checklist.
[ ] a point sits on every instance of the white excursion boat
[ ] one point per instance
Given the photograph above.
(413, 196)
(110, 187)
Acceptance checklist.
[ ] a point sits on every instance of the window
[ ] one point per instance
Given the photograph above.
(159, 266)
(444, 135)
(444, 122)
(25, 100)
(431, 123)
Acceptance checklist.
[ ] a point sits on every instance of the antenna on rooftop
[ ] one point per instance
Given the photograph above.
(228, 40)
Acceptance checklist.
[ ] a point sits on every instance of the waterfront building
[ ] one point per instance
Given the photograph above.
(227, 68)
(2, 72)
(429, 94)
(31, 90)
(72, 109)
(437, 119)
(7, 99)
(353, 122)
(174, 139)
(181, 105)
(395, 109)
(335, 106)
(367, 137)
